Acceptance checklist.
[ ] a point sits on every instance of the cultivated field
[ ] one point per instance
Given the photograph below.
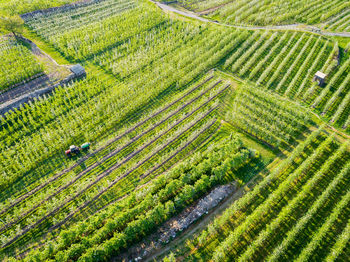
(174, 107)
(16, 64)
(299, 211)
(334, 14)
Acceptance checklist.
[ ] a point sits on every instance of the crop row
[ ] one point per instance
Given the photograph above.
(295, 219)
(307, 194)
(17, 63)
(106, 213)
(267, 117)
(273, 12)
(105, 158)
(76, 16)
(211, 237)
(110, 171)
(118, 96)
(260, 217)
(83, 40)
(146, 119)
(279, 60)
(281, 63)
(146, 160)
(181, 185)
(332, 101)
(112, 153)
(339, 22)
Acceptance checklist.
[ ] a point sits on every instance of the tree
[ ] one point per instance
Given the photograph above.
(170, 258)
(11, 24)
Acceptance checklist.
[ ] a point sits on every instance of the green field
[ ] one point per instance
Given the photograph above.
(17, 64)
(14, 7)
(334, 15)
(175, 107)
(293, 213)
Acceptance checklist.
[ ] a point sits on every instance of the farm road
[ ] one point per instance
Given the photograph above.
(299, 27)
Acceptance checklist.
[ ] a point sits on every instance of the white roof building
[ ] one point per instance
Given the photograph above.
(78, 70)
(321, 75)
(320, 78)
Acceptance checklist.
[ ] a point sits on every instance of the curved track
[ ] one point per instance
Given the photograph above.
(298, 27)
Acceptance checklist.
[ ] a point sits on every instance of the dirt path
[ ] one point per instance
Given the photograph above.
(38, 81)
(201, 224)
(54, 70)
(299, 27)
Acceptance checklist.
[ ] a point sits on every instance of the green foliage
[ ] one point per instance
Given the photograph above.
(274, 12)
(146, 106)
(294, 212)
(17, 64)
(267, 116)
(164, 197)
(11, 24)
(16, 7)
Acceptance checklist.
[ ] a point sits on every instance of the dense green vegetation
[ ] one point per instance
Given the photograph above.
(295, 212)
(286, 63)
(15, 7)
(159, 138)
(156, 202)
(339, 22)
(274, 12)
(174, 107)
(17, 63)
(267, 117)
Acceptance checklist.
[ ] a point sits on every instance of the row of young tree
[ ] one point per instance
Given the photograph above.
(104, 235)
(82, 40)
(285, 218)
(16, 7)
(210, 237)
(296, 207)
(280, 62)
(339, 22)
(261, 216)
(120, 164)
(186, 62)
(17, 63)
(267, 116)
(272, 12)
(146, 122)
(141, 80)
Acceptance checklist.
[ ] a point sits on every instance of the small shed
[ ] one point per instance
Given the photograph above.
(320, 78)
(78, 70)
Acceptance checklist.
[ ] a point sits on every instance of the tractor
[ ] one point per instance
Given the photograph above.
(75, 150)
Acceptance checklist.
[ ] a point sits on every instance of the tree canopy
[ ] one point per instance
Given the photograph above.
(11, 24)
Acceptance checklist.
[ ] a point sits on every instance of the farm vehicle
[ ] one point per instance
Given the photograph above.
(75, 150)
